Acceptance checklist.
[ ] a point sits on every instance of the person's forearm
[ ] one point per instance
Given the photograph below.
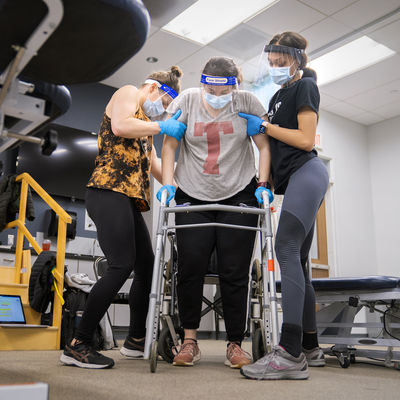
(134, 128)
(168, 160)
(264, 165)
(156, 167)
(292, 137)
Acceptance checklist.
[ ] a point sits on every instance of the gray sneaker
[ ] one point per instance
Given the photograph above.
(278, 364)
(315, 357)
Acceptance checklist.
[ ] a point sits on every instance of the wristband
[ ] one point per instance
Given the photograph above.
(263, 128)
(264, 184)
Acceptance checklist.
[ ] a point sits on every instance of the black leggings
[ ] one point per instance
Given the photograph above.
(234, 251)
(125, 241)
(303, 197)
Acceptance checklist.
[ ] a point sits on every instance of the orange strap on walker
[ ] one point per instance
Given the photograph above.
(271, 265)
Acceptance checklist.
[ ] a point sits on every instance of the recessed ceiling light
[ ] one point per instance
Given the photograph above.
(352, 57)
(152, 59)
(206, 20)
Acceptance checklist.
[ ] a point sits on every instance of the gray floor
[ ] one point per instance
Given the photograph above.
(210, 379)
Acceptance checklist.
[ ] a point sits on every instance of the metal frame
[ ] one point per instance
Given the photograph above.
(335, 321)
(269, 304)
(13, 100)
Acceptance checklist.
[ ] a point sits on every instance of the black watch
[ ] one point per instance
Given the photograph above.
(261, 129)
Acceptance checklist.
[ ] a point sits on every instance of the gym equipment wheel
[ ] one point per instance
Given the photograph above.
(153, 356)
(166, 344)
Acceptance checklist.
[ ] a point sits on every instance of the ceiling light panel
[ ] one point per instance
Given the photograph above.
(352, 57)
(206, 20)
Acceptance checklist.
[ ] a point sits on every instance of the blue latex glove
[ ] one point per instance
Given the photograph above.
(258, 194)
(171, 193)
(253, 123)
(172, 127)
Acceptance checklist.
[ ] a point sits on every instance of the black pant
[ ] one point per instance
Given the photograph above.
(234, 251)
(125, 241)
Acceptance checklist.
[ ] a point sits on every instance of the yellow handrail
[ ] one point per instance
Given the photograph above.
(63, 219)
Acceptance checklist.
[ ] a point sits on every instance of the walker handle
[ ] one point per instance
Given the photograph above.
(265, 198)
(164, 196)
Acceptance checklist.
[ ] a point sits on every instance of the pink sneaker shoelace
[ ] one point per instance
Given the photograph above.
(234, 350)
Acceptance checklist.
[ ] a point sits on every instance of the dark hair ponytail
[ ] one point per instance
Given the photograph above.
(309, 73)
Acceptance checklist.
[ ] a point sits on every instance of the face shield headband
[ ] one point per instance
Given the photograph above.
(219, 80)
(165, 88)
(293, 52)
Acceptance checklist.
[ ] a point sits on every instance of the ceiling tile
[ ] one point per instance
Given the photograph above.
(364, 11)
(344, 109)
(367, 118)
(254, 61)
(161, 12)
(169, 49)
(194, 64)
(377, 97)
(389, 35)
(286, 15)
(153, 30)
(327, 100)
(324, 32)
(249, 71)
(389, 110)
(366, 79)
(328, 7)
(236, 42)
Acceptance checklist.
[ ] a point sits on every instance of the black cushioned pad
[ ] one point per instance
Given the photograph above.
(360, 283)
(94, 38)
(58, 97)
(57, 102)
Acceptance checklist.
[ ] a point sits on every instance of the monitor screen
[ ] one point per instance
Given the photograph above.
(67, 170)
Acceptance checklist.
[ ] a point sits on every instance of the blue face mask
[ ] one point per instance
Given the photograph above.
(153, 108)
(217, 102)
(280, 75)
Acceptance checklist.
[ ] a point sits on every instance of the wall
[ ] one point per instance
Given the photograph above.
(384, 153)
(351, 196)
(88, 104)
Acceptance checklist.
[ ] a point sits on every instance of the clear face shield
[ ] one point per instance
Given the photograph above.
(155, 109)
(217, 90)
(279, 62)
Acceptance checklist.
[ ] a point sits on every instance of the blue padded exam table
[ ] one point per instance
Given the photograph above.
(340, 300)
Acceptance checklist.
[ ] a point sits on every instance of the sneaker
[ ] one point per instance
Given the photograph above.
(278, 364)
(236, 357)
(188, 355)
(83, 356)
(132, 348)
(315, 357)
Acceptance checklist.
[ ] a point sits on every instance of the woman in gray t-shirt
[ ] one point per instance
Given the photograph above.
(216, 164)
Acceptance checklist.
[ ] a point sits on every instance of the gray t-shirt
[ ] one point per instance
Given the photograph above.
(216, 158)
